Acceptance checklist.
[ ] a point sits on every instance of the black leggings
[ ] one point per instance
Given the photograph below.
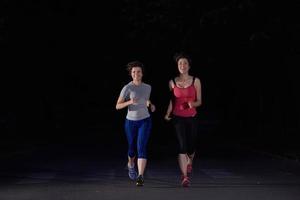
(186, 129)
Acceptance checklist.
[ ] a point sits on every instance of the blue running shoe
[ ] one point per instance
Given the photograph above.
(132, 173)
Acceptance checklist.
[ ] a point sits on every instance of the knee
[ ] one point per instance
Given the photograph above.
(131, 154)
(142, 153)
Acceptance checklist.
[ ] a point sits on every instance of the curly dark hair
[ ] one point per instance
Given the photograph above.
(133, 64)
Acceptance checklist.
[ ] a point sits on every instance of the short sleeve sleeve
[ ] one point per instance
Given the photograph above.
(124, 92)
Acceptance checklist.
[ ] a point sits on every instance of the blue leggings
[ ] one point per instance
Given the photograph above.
(139, 129)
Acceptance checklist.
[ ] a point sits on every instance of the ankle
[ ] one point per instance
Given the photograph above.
(130, 165)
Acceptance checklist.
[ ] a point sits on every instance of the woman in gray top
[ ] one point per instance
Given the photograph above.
(136, 97)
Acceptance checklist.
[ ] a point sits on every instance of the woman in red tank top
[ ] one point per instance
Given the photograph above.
(186, 97)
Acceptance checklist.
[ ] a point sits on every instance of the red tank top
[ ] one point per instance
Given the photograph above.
(181, 97)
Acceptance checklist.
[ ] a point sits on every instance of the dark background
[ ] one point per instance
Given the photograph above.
(69, 57)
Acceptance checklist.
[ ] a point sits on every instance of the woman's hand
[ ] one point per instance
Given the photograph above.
(167, 117)
(191, 104)
(152, 107)
(133, 101)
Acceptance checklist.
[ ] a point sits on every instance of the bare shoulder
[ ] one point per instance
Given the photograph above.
(197, 80)
(171, 84)
(170, 81)
(147, 84)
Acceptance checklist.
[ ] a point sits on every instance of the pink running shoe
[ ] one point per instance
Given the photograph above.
(185, 181)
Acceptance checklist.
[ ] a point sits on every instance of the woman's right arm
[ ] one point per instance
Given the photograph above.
(169, 111)
(121, 103)
(170, 106)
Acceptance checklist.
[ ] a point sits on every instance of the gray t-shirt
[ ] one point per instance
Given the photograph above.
(141, 92)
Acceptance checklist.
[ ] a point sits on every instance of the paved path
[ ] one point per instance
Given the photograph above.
(80, 172)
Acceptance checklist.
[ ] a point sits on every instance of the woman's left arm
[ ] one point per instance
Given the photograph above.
(198, 101)
(152, 106)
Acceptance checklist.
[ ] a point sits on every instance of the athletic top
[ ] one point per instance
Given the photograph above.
(141, 92)
(181, 97)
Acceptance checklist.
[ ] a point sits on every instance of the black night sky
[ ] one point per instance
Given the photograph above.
(70, 59)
